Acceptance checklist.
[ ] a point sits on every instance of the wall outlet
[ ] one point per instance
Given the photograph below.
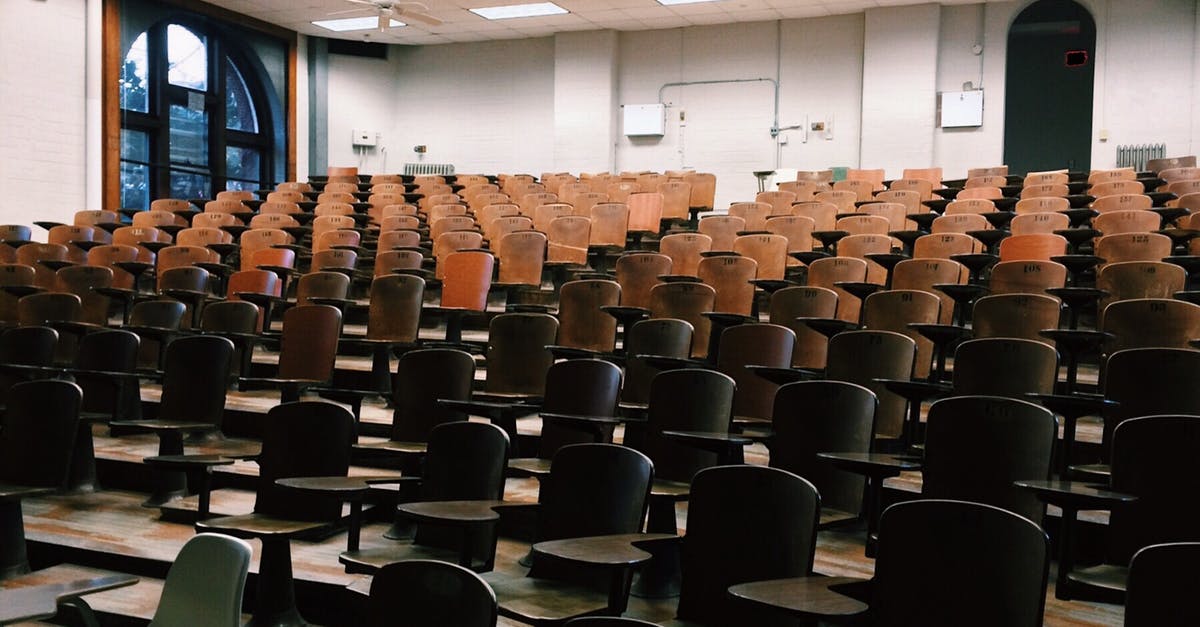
(364, 138)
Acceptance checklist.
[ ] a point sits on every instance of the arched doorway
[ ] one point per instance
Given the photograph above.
(1048, 88)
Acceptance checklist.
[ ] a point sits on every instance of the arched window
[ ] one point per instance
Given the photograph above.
(194, 117)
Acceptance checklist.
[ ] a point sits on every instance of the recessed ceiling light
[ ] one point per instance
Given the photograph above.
(519, 10)
(354, 23)
(668, 3)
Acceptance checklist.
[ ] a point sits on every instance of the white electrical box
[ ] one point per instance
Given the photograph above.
(645, 119)
(957, 109)
(365, 138)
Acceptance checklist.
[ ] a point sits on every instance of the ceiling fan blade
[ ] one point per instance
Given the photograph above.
(347, 11)
(369, 3)
(420, 17)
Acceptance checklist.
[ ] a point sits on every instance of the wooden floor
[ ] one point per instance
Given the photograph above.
(93, 529)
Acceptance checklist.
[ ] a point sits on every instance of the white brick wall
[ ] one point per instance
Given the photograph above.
(42, 109)
(900, 61)
(585, 100)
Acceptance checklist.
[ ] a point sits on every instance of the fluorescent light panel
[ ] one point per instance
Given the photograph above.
(354, 23)
(667, 3)
(519, 10)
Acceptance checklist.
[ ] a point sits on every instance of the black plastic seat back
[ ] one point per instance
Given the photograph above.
(428, 593)
(160, 314)
(111, 350)
(578, 386)
(303, 439)
(1148, 382)
(745, 523)
(422, 377)
(231, 316)
(670, 337)
(1004, 367)
(759, 345)
(195, 374)
(953, 563)
(820, 416)
(1160, 592)
(40, 425)
(977, 446)
(517, 359)
(594, 489)
(1156, 458)
(464, 461)
(683, 400)
(29, 346)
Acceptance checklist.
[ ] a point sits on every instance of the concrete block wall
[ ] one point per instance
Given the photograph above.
(899, 87)
(42, 109)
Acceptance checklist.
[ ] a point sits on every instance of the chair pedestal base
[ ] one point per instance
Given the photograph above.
(168, 484)
(13, 559)
(659, 578)
(275, 595)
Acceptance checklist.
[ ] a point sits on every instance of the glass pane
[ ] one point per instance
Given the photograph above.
(135, 94)
(239, 108)
(135, 185)
(189, 136)
(135, 145)
(189, 185)
(250, 185)
(242, 163)
(187, 58)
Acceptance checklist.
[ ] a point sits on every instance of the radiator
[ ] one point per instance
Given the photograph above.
(438, 169)
(1136, 155)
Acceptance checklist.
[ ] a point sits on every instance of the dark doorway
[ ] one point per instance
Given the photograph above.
(1048, 88)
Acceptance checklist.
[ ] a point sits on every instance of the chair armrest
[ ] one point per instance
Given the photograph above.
(812, 597)
(1097, 473)
(1076, 494)
(781, 376)
(872, 464)
(666, 362)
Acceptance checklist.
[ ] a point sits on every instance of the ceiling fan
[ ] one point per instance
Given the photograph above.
(391, 10)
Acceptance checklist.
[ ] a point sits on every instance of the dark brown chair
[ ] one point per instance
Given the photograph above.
(1151, 323)
(592, 490)
(688, 302)
(1014, 315)
(156, 322)
(39, 430)
(302, 439)
(236, 321)
(1156, 594)
(898, 310)
(812, 417)
(977, 446)
(195, 375)
(668, 337)
(83, 282)
(745, 523)
(429, 593)
(790, 303)
(1153, 464)
(423, 377)
(692, 400)
(862, 357)
(307, 351)
(768, 345)
(582, 322)
(465, 461)
(24, 346)
(998, 563)
(580, 397)
(20, 279)
(393, 319)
